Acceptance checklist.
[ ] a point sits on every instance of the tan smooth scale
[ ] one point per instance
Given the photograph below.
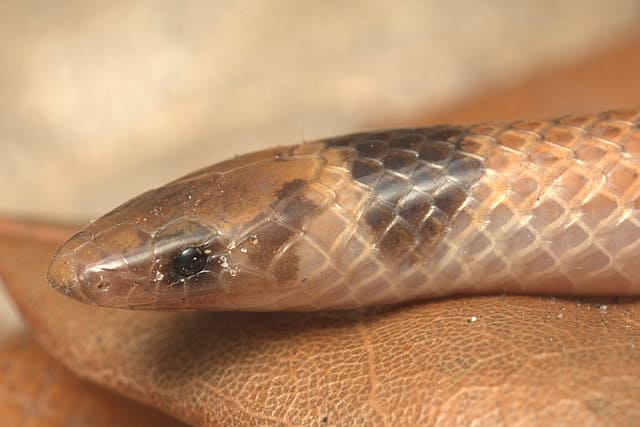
(528, 207)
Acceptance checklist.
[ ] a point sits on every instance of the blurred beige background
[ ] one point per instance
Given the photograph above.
(101, 100)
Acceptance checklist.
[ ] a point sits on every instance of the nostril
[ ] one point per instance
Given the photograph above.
(103, 286)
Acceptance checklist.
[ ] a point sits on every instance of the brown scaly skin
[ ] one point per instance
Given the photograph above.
(535, 207)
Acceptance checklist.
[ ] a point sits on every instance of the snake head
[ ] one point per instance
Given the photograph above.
(210, 240)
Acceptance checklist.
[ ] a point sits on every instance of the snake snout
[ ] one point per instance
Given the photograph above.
(88, 272)
(63, 275)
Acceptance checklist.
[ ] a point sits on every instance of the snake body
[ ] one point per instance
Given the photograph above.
(534, 207)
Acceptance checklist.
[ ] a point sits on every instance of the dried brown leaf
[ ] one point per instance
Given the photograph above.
(35, 390)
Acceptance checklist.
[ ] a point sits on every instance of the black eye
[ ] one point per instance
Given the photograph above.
(189, 261)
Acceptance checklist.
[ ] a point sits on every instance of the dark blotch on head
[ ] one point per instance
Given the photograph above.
(297, 211)
(289, 188)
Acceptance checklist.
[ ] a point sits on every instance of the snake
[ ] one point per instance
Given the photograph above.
(548, 207)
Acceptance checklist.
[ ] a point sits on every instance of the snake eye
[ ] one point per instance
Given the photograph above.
(189, 261)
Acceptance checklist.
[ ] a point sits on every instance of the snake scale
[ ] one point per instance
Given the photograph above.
(527, 207)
